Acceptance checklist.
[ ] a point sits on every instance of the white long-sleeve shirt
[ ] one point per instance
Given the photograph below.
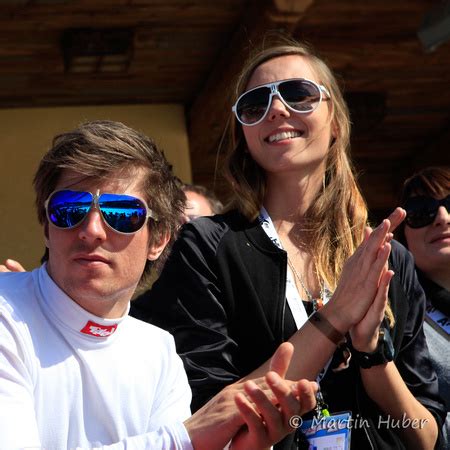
(69, 379)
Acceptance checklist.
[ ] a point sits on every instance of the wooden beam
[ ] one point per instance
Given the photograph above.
(210, 111)
(436, 153)
(288, 11)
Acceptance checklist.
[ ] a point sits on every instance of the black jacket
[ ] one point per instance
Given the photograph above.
(222, 295)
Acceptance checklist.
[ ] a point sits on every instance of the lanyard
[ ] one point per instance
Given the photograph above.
(292, 295)
(439, 320)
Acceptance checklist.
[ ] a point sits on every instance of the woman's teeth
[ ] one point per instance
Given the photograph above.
(284, 135)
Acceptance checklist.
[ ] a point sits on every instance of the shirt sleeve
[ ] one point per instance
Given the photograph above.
(188, 301)
(169, 437)
(173, 396)
(413, 360)
(18, 426)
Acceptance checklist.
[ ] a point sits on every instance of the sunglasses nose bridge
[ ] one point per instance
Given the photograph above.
(445, 202)
(442, 214)
(95, 206)
(95, 201)
(275, 92)
(281, 107)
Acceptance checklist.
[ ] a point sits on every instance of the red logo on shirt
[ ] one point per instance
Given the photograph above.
(95, 329)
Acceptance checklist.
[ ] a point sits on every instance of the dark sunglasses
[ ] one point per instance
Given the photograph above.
(421, 211)
(297, 94)
(122, 213)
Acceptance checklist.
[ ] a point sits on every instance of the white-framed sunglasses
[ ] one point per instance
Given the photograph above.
(297, 94)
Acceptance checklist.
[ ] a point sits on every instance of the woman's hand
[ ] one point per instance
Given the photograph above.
(365, 333)
(360, 294)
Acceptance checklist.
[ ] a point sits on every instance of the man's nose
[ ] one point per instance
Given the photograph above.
(93, 226)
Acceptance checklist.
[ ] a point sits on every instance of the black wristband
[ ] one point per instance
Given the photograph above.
(382, 354)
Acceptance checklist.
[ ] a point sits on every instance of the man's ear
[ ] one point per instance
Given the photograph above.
(156, 248)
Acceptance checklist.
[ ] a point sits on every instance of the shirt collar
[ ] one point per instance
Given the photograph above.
(69, 315)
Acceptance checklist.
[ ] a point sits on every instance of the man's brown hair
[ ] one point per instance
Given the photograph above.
(100, 149)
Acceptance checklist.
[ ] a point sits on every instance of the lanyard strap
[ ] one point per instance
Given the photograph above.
(292, 295)
(439, 319)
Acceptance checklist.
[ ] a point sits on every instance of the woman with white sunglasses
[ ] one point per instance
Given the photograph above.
(279, 266)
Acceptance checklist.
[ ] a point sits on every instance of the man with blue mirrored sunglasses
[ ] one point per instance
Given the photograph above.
(73, 372)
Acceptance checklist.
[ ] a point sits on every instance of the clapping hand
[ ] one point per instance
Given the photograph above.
(11, 266)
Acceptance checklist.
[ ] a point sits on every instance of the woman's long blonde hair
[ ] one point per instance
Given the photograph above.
(338, 215)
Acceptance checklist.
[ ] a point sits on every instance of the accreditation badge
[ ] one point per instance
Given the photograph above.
(328, 432)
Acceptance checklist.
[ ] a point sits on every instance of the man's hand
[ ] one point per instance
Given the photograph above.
(258, 421)
(11, 266)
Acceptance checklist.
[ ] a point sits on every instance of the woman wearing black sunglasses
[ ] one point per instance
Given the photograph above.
(280, 260)
(426, 233)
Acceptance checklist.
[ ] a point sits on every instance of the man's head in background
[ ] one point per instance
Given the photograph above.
(200, 202)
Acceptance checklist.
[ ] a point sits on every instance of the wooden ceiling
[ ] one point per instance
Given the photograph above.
(188, 51)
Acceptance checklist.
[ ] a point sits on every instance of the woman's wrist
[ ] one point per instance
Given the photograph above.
(321, 323)
(368, 346)
(335, 318)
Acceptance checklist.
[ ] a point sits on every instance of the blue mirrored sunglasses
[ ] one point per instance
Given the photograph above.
(297, 94)
(122, 213)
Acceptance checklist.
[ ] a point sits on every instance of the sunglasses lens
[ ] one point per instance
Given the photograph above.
(66, 209)
(420, 211)
(123, 213)
(301, 95)
(252, 106)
